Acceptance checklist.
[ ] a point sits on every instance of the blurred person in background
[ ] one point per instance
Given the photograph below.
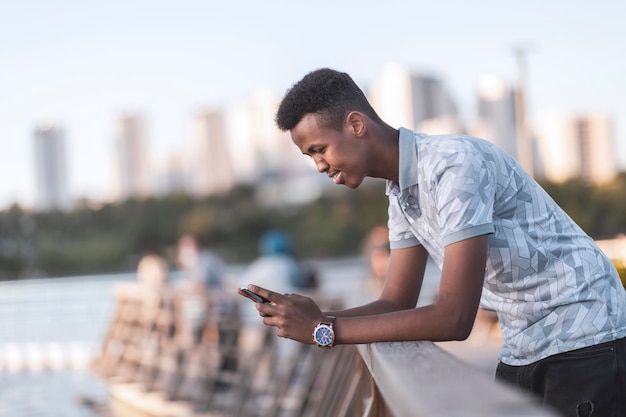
(376, 253)
(204, 283)
(276, 267)
(202, 268)
(152, 270)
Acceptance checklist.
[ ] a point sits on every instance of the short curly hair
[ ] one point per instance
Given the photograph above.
(327, 93)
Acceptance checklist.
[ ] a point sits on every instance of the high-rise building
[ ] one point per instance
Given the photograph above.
(578, 147)
(404, 98)
(266, 156)
(262, 150)
(496, 114)
(597, 152)
(51, 169)
(133, 165)
(211, 165)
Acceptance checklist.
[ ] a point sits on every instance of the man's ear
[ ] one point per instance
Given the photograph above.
(356, 123)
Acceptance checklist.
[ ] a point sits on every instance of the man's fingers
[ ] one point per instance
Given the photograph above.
(263, 292)
(271, 321)
(266, 310)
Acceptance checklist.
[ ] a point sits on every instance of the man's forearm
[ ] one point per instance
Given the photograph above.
(375, 307)
(435, 322)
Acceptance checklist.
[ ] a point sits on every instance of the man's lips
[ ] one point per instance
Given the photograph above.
(335, 176)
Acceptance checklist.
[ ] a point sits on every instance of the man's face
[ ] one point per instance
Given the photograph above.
(340, 155)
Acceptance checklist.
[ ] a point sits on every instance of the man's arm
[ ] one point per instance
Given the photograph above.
(403, 283)
(393, 317)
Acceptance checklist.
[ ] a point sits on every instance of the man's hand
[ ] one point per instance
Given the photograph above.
(294, 316)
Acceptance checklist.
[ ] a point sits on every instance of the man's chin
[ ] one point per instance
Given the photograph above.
(349, 184)
(353, 186)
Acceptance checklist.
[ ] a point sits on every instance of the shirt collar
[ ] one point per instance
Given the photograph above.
(407, 170)
(408, 158)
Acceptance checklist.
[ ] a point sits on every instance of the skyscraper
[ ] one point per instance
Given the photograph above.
(51, 170)
(133, 166)
(211, 166)
(597, 152)
(404, 98)
(578, 147)
(496, 114)
(265, 155)
(262, 150)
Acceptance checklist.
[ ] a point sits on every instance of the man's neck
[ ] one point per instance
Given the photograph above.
(384, 156)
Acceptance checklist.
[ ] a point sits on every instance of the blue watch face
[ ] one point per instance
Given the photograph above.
(324, 336)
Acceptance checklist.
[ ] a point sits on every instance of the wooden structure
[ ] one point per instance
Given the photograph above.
(177, 354)
(173, 354)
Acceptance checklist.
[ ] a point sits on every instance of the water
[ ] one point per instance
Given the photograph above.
(48, 319)
(50, 329)
(50, 393)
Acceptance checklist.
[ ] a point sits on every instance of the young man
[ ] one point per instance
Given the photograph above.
(499, 239)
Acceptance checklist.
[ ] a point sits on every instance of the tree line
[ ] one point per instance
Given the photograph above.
(112, 237)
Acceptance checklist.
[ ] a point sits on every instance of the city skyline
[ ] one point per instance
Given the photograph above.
(80, 67)
(240, 144)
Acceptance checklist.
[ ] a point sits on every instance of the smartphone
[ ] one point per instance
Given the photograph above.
(254, 296)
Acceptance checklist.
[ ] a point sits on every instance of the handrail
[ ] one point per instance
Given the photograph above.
(420, 379)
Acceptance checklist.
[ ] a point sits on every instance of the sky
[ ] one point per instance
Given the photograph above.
(80, 64)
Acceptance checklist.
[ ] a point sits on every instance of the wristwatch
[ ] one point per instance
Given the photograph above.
(323, 334)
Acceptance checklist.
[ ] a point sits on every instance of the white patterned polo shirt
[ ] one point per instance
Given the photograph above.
(551, 286)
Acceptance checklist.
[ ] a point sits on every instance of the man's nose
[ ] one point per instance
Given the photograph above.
(320, 163)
